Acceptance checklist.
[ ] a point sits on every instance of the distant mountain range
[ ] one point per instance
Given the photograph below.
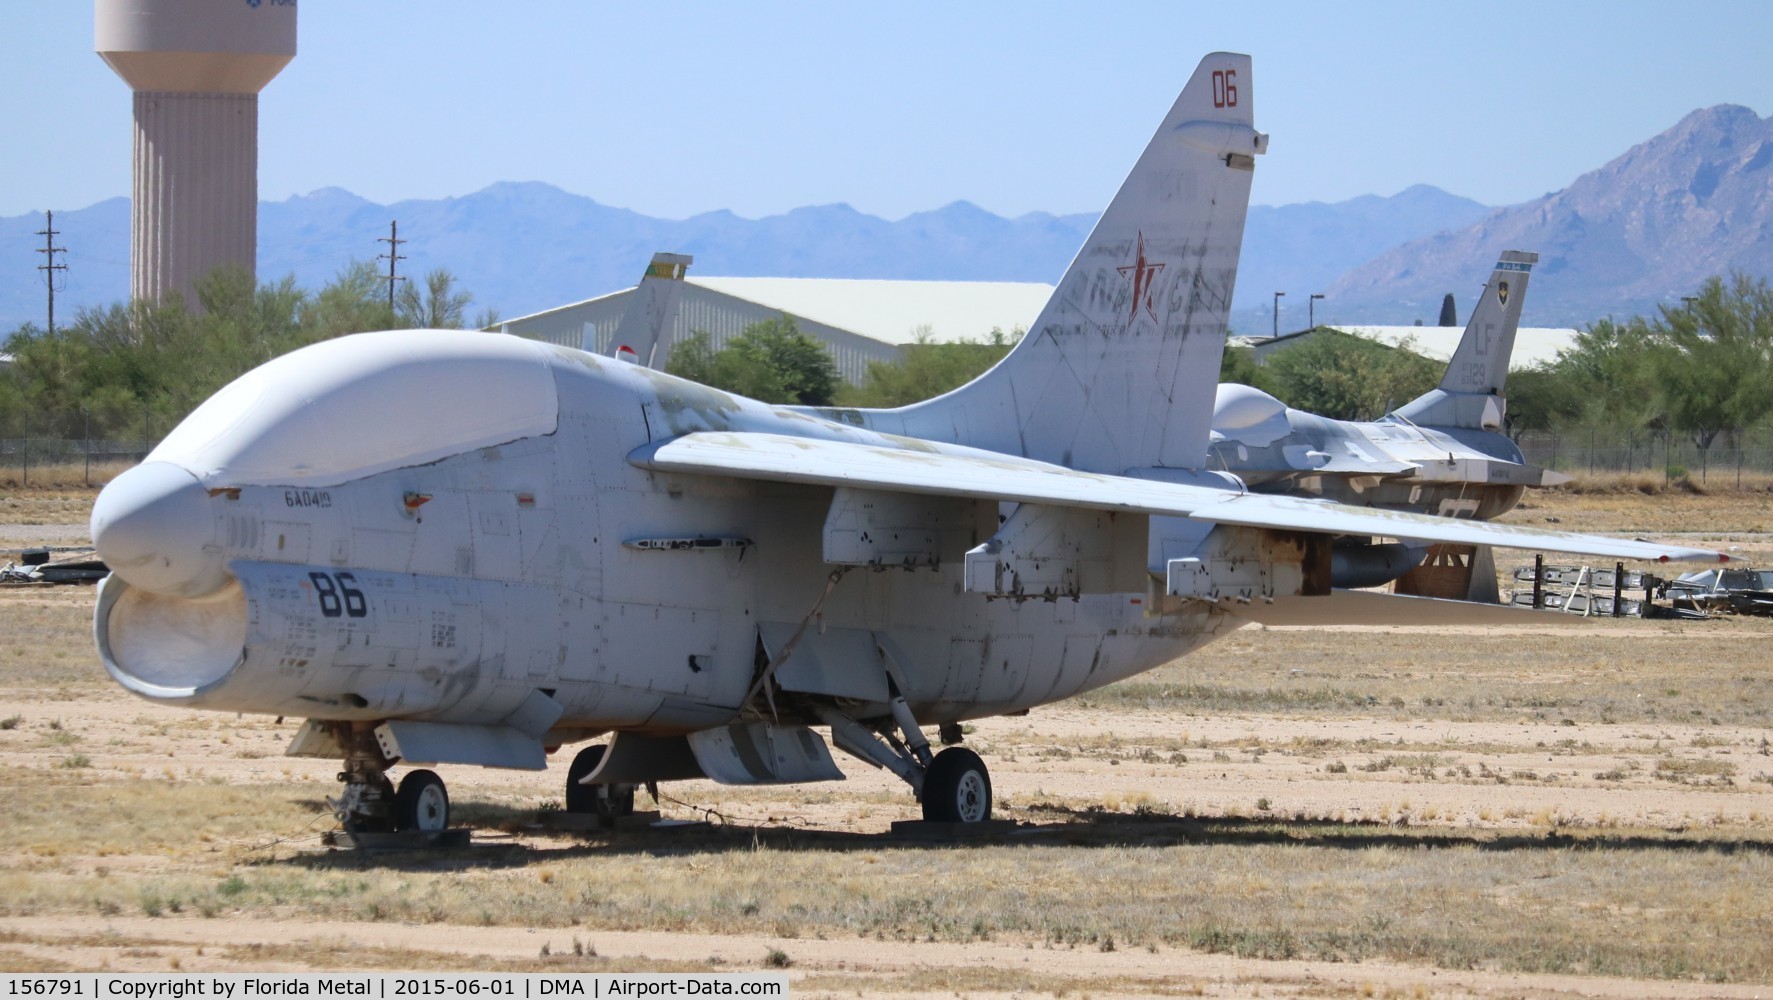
(1644, 229)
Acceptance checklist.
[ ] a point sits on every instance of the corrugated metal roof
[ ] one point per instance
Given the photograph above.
(893, 311)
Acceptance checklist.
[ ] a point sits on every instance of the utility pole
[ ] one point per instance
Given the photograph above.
(392, 257)
(49, 267)
(1277, 298)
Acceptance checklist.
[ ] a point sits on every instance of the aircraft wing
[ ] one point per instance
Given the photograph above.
(1366, 607)
(922, 467)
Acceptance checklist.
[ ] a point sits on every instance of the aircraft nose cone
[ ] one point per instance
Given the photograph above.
(154, 526)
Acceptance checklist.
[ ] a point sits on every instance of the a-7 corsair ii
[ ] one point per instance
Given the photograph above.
(468, 548)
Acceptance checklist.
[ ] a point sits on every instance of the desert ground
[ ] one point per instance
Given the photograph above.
(1548, 810)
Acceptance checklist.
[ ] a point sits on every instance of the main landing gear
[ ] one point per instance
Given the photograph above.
(953, 785)
(370, 803)
(956, 788)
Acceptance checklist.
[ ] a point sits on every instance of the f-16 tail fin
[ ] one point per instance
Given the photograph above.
(644, 334)
(1470, 395)
(1118, 372)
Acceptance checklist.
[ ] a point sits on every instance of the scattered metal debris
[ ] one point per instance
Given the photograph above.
(1589, 591)
(34, 567)
(1714, 591)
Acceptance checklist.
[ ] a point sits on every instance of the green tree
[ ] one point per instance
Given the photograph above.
(1712, 360)
(135, 370)
(1536, 399)
(771, 361)
(1338, 375)
(926, 369)
(1238, 364)
(1605, 381)
(692, 358)
(439, 307)
(355, 302)
(1449, 313)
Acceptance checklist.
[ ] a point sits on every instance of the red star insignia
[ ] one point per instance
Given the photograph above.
(1143, 276)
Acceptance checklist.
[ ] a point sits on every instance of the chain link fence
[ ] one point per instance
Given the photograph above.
(64, 460)
(1601, 452)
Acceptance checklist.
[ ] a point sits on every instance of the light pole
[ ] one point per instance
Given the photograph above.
(1277, 298)
(1311, 308)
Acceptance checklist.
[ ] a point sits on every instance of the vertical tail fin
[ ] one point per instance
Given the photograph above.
(1119, 370)
(643, 336)
(1470, 394)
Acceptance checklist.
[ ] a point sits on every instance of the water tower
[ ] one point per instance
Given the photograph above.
(196, 67)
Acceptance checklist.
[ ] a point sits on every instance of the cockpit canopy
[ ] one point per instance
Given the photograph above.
(355, 406)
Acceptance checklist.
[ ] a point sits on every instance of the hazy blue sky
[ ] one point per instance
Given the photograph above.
(677, 108)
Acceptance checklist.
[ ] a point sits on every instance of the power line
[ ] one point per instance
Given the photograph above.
(49, 233)
(392, 257)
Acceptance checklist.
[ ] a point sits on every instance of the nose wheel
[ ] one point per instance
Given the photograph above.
(371, 804)
(422, 803)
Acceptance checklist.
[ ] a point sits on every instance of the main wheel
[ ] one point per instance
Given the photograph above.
(957, 788)
(422, 803)
(600, 800)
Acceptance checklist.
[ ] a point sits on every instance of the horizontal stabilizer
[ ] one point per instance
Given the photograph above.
(922, 467)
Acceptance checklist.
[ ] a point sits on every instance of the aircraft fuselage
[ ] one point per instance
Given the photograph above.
(455, 588)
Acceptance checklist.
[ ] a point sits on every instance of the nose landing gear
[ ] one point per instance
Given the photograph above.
(370, 802)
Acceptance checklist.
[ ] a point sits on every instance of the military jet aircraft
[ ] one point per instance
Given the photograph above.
(468, 548)
(1442, 453)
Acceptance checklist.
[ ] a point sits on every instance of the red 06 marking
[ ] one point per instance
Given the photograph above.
(1225, 88)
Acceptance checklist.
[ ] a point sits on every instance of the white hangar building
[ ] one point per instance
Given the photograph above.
(1533, 345)
(861, 320)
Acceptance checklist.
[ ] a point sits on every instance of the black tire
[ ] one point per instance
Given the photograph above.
(595, 800)
(957, 788)
(422, 803)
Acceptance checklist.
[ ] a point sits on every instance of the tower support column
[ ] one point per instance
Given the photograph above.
(195, 194)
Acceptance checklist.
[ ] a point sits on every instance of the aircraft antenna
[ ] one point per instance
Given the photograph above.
(49, 267)
(393, 256)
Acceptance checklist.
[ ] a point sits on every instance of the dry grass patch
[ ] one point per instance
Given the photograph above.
(1621, 506)
(61, 480)
(46, 643)
(55, 813)
(1260, 888)
(1671, 672)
